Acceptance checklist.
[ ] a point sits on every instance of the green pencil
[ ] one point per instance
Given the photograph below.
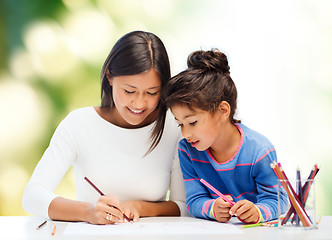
(272, 223)
(252, 225)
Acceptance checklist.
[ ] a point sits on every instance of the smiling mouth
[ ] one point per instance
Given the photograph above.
(136, 111)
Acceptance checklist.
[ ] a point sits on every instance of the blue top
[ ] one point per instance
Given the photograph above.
(247, 175)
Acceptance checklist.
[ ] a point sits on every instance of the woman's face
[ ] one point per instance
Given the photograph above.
(136, 98)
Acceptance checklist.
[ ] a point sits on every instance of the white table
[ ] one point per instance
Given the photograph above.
(24, 227)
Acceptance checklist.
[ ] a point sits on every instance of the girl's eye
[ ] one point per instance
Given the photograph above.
(180, 125)
(128, 92)
(193, 123)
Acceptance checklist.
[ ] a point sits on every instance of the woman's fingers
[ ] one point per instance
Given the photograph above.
(109, 208)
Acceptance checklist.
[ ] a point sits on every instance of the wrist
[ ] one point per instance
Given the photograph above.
(260, 217)
(85, 212)
(135, 205)
(212, 212)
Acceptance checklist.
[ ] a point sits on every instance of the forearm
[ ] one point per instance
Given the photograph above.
(68, 210)
(153, 209)
(201, 207)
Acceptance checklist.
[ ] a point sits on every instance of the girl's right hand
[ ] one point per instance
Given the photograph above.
(107, 210)
(221, 209)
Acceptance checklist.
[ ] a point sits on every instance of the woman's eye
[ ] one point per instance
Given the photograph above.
(152, 93)
(193, 123)
(128, 92)
(180, 125)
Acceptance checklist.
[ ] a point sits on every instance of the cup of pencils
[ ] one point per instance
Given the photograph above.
(300, 209)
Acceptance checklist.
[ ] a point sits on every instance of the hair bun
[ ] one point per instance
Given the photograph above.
(209, 60)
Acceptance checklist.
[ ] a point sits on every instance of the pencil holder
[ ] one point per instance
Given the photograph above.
(296, 204)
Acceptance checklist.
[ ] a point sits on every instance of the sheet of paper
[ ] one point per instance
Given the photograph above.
(153, 228)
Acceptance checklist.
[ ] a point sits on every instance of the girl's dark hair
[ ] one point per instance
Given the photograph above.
(134, 53)
(204, 84)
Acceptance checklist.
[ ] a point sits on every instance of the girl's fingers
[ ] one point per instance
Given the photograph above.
(221, 209)
(222, 203)
(246, 211)
(229, 197)
(236, 209)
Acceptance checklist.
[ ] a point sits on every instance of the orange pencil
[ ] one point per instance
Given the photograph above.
(54, 228)
(292, 195)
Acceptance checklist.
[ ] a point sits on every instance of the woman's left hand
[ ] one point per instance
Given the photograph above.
(131, 209)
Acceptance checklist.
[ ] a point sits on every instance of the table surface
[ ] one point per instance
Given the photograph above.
(24, 227)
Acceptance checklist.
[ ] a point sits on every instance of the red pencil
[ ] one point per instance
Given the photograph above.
(41, 225)
(305, 191)
(102, 194)
(291, 194)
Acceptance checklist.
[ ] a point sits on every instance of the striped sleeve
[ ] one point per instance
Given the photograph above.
(267, 185)
(198, 199)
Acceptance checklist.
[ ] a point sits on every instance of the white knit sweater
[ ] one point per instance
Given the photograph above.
(112, 158)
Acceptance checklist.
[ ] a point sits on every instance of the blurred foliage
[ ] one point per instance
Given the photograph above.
(51, 54)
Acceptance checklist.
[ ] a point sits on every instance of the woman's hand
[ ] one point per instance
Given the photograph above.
(131, 209)
(107, 210)
(245, 211)
(221, 209)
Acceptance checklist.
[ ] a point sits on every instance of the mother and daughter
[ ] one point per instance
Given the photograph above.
(128, 145)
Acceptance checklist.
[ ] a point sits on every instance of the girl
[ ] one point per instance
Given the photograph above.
(125, 146)
(218, 148)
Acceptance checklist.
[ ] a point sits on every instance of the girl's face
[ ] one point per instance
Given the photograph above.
(136, 98)
(200, 128)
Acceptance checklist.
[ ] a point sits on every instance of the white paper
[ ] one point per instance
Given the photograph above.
(153, 228)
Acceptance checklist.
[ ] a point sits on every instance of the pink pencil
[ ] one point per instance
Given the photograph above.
(216, 191)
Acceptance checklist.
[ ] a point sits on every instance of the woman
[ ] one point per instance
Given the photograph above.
(125, 146)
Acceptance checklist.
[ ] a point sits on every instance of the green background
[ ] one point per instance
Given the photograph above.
(51, 54)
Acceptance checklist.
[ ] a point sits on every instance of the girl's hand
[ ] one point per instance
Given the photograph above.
(245, 211)
(108, 210)
(221, 209)
(131, 209)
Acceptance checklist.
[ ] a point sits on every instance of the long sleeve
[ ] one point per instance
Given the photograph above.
(246, 175)
(198, 199)
(48, 173)
(177, 192)
(105, 153)
(266, 185)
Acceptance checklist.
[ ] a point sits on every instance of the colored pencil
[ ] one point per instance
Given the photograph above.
(216, 191)
(309, 183)
(54, 228)
(41, 225)
(265, 224)
(270, 225)
(293, 197)
(291, 194)
(102, 194)
(298, 192)
(305, 192)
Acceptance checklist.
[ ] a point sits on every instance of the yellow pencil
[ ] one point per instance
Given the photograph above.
(252, 225)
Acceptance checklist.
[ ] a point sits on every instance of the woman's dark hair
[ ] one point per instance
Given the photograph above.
(134, 53)
(204, 84)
